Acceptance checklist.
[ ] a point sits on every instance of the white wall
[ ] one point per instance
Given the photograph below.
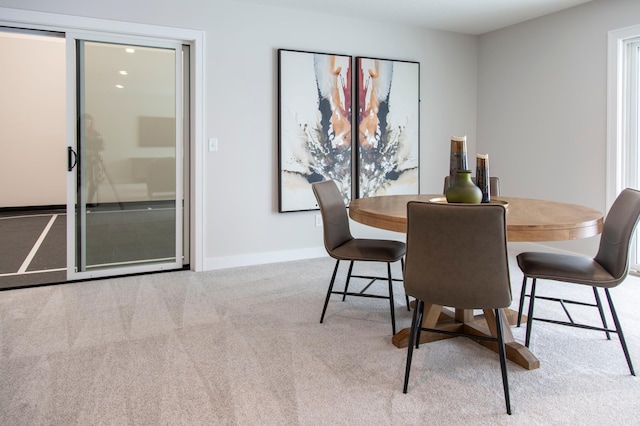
(242, 224)
(542, 104)
(539, 89)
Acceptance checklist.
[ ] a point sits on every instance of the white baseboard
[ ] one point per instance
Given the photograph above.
(214, 263)
(225, 262)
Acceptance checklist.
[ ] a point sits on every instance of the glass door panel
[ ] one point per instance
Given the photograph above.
(127, 193)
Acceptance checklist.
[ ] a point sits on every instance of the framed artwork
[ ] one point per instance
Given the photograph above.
(388, 123)
(314, 125)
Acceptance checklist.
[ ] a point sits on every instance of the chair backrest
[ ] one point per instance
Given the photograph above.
(334, 214)
(619, 225)
(457, 255)
(494, 185)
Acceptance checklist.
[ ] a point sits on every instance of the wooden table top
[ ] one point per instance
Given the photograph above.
(527, 219)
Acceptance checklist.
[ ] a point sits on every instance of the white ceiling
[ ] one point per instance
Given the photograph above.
(463, 16)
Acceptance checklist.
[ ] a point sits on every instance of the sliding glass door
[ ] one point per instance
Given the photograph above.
(125, 152)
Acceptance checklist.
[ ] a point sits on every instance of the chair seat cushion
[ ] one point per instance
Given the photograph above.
(567, 268)
(365, 249)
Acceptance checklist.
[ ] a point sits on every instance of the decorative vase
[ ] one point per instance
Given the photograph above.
(482, 176)
(463, 190)
(458, 157)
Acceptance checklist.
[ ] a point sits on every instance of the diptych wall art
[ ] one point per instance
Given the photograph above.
(388, 107)
(315, 118)
(314, 124)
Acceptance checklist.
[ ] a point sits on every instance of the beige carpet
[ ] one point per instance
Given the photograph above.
(244, 347)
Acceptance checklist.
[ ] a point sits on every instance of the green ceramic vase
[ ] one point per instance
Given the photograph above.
(463, 190)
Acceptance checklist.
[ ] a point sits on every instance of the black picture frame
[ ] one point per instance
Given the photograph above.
(314, 126)
(387, 102)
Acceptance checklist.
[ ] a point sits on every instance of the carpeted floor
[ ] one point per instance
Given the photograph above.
(244, 347)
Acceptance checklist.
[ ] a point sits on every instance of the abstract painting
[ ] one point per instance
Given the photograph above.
(314, 118)
(388, 122)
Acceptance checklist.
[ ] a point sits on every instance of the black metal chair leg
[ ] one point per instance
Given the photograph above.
(522, 296)
(346, 285)
(391, 302)
(412, 336)
(350, 275)
(602, 317)
(406, 296)
(619, 331)
(532, 298)
(326, 300)
(420, 317)
(503, 361)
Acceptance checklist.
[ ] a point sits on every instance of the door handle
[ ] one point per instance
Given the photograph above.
(72, 158)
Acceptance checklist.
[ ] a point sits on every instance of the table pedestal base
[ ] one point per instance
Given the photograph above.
(464, 321)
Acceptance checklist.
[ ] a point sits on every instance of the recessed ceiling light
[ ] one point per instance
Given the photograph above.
(119, 86)
(129, 50)
(123, 72)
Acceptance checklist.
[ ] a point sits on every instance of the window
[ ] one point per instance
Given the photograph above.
(623, 139)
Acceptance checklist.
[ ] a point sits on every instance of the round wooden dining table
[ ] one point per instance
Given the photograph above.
(528, 220)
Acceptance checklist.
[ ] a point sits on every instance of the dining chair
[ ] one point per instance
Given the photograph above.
(606, 270)
(457, 257)
(494, 185)
(341, 245)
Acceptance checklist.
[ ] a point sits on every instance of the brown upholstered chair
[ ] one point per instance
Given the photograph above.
(457, 257)
(341, 245)
(494, 185)
(606, 270)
